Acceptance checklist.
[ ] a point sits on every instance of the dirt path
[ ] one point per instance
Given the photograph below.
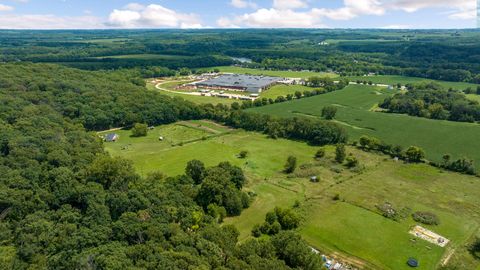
(110, 130)
(448, 256)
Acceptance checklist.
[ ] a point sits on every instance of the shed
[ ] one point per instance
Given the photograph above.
(314, 179)
(111, 137)
(412, 262)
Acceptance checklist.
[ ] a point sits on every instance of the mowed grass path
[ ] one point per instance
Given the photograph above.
(394, 79)
(352, 226)
(354, 112)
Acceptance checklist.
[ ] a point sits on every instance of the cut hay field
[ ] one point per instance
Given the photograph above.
(355, 104)
(394, 79)
(350, 227)
(279, 73)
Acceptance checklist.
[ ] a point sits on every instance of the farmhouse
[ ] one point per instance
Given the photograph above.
(240, 82)
(111, 137)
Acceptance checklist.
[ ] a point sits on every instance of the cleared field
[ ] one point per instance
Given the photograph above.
(355, 104)
(351, 226)
(393, 79)
(283, 90)
(279, 73)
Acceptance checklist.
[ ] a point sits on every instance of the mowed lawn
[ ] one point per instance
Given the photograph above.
(355, 113)
(395, 79)
(352, 226)
(284, 90)
(279, 73)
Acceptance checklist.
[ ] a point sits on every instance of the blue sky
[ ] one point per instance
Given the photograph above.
(91, 14)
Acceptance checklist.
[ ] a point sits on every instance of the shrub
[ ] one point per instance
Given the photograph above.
(387, 210)
(243, 154)
(426, 218)
(139, 130)
(256, 231)
(329, 112)
(415, 154)
(340, 153)
(474, 248)
(352, 162)
(320, 153)
(291, 164)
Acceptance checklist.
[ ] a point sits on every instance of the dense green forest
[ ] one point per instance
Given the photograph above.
(436, 54)
(66, 204)
(431, 100)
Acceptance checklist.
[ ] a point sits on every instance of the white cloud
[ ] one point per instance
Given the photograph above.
(6, 8)
(295, 13)
(289, 4)
(274, 18)
(352, 9)
(151, 16)
(134, 7)
(33, 21)
(285, 14)
(459, 9)
(243, 4)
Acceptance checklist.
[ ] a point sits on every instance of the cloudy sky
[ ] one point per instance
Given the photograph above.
(90, 14)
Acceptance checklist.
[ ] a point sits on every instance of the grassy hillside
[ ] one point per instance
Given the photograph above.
(355, 113)
(349, 227)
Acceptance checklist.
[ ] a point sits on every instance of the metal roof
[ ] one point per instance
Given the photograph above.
(250, 83)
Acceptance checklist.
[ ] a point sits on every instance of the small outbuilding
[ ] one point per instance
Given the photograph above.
(412, 263)
(112, 137)
(314, 179)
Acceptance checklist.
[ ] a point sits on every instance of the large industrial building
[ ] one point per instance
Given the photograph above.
(239, 82)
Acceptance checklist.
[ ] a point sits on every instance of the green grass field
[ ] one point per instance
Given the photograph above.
(283, 90)
(350, 227)
(394, 79)
(354, 112)
(279, 73)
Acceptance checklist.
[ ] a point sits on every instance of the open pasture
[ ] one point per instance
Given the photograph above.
(349, 226)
